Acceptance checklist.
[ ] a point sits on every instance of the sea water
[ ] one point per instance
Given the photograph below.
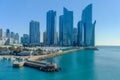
(103, 64)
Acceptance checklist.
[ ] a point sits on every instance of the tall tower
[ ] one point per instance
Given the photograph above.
(66, 28)
(25, 39)
(8, 33)
(80, 38)
(44, 37)
(34, 33)
(75, 33)
(2, 34)
(16, 38)
(89, 27)
(51, 28)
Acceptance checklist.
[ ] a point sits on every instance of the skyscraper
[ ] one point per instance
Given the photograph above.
(2, 34)
(2, 37)
(57, 38)
(44, 37)
(75, 33)
(61, 30)
(34, 32)
(51, 28)
(89, 28)
(80, 38)
(16, 39)
(8, 33)
(66, 28)
(13, 35)
(25, 39)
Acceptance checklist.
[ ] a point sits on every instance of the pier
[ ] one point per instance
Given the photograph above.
(42, 66)
(33, 62)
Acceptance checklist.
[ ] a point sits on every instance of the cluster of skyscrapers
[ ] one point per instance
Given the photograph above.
(8, 38)
(83, 35)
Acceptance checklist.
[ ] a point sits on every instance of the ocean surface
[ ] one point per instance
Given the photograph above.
(103, 64)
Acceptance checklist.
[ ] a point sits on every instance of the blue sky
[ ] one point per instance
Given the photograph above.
(16, 15)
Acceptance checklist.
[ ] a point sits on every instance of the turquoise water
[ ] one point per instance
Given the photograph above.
(82, 65)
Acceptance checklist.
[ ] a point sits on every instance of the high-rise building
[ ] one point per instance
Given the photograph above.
(44, 37)
(34, 33)
(51, 28)
(66, 28)
(80, 38)
(16, 39)
(75, 33)
(8, 33)
(61, 30)
(57, 37)
(25, 39)
(9, 41)
(12, 35)
(89, 27)
(2, 37)
(2, 34)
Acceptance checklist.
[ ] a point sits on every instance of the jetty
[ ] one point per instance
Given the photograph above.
(42, 66)
(18, 64)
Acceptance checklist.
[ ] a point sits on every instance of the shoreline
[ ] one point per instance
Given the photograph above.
(48, 56)
(35, 58)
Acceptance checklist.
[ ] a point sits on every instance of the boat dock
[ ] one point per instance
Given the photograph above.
(43, 66)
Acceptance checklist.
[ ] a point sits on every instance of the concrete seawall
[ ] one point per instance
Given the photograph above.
(48, 56)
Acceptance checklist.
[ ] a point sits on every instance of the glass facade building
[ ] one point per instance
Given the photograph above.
(66, 28)
(75, 33)
(51, 28)
(8, 33)
(25, 39)
(86, 31)
(34, 33)
(80, 38)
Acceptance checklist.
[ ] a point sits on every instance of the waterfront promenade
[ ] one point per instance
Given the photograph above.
(42, 57)
(51, 55)
(47, 56)
(38, 57)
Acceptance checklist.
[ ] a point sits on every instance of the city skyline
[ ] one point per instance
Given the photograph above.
(68, 36)
(101, 29)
